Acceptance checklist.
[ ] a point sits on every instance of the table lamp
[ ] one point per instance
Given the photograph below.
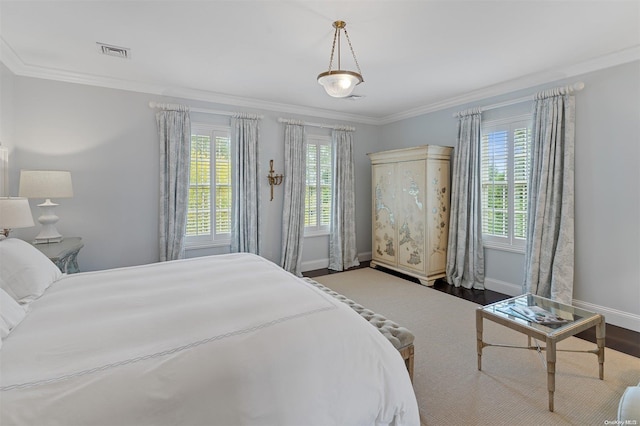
(14, 213)
(46, 184)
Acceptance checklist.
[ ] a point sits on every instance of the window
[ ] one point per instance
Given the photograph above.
(209, 211)
(505, 157)
(317, 200)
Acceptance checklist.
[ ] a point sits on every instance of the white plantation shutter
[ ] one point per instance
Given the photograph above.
(325, 177)
(209, 211)
(505, 165)
(317, 209)
(521, 168)
(311, 194)
(494, 168)
(199, 210)
(222, 170)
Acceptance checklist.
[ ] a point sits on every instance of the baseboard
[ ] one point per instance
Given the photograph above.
(502, 287)
(315, 264)
(612, 316)
(363, 257)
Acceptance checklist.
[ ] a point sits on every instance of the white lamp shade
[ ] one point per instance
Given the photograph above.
(45, 184)
(15, 213)
(339, 84)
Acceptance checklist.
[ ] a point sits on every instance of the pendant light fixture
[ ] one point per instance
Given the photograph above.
(340, 83)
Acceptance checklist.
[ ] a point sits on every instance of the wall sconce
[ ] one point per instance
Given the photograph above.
(273, 178)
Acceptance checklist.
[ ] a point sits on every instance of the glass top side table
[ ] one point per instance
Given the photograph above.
(543, 319)
(64, 254)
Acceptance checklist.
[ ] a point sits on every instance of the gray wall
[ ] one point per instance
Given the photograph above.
(6, 110)
(315, 249)
(607, 179)
(107, 139)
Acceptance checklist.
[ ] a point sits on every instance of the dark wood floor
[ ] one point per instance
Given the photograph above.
(618, 338)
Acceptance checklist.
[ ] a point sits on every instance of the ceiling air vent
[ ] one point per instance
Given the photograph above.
(119, 52)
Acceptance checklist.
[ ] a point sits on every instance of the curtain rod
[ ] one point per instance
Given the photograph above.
(571, 88)
(153, 105)
(323, 126)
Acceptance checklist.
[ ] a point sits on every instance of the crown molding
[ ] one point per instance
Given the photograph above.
(201, 95)
(8, 56)
(607, 61)
(18, 67)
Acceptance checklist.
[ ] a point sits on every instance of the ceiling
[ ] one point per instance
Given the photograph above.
(414, 55)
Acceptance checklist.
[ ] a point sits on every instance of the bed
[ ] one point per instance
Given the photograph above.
(219, 340)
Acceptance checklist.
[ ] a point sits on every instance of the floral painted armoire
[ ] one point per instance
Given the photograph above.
(411, 210)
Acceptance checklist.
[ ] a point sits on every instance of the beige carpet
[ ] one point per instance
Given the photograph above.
(512, 386)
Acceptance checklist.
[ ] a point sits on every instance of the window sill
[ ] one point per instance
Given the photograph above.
(316, 234)
(199, 246)
(504, 247)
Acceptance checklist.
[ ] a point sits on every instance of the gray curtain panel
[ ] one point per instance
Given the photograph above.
(294, 192)
(549, 256)
(245, 232)
(343, 253)
(465, 254)
(174, 130)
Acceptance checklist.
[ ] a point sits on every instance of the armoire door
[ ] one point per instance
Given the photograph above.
(384, 220)
(411, 207)
(438, 196)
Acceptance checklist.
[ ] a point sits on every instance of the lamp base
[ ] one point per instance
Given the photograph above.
(47, 240)
(48, 219)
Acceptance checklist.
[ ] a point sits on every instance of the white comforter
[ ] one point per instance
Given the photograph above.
(221, 340)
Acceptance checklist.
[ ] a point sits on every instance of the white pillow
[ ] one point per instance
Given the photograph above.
(26, 272)
(11, 313)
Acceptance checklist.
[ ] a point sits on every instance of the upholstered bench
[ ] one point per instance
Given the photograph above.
(400, 337)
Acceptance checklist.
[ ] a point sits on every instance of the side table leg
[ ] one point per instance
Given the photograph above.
(600, 337)
(551, 370)
(479, 342)
(73, 264)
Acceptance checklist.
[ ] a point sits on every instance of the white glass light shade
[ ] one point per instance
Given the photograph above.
(15, 213)
(339, 84)
(45, 184)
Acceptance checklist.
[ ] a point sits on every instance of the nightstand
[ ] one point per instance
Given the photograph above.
(63, 254)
